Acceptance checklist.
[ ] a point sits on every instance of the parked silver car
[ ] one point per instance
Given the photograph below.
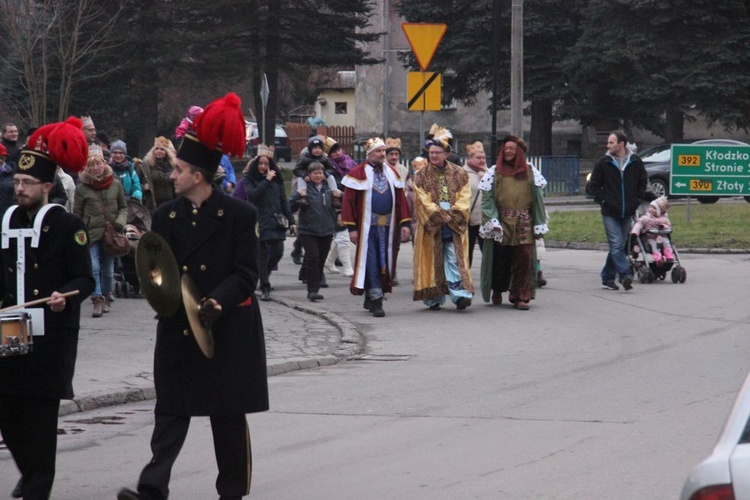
(725, 474)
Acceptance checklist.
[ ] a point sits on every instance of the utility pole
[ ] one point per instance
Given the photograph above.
(516, 68)
(494, 65)
(387, 62)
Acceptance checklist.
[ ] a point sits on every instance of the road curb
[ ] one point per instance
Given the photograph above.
(352, 343)
(604, 247)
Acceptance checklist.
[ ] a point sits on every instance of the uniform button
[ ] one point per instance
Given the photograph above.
(36, 266)
(11, 270)
(186, 332)
(36, 292)
(184, 269)
(203, 267)
(194, 224)
(195, 211)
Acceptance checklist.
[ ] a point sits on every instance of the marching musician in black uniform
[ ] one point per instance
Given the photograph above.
(56, 260)
(214, 239)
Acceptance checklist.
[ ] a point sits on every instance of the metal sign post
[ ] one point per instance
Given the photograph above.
(264, 91)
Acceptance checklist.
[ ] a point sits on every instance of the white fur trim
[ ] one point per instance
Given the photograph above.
(486, 182)
(541, 229)
(490, 230)
(539, 180)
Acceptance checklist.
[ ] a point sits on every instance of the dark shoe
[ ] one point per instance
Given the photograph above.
(337, 262)
(462, 303)
(376, 308)
(18, 490)
(610, 285)
(323, 284)
(435, 307)
(521, 305)
(265, 293)
(314, 296)
(367, 302)
(497, 298)
(540, 281)
(127, 494)
(627, 283)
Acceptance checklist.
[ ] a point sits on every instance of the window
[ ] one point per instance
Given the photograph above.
(340, 108)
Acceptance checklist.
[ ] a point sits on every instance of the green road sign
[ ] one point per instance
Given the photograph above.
(710, 170)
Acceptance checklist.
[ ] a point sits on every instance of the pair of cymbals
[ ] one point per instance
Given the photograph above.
(165, 290)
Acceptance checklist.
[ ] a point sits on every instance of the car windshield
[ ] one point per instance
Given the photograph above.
(657, 153)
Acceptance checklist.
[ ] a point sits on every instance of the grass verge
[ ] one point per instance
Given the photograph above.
(721, 225)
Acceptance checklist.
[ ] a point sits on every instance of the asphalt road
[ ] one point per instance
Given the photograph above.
(592, 394)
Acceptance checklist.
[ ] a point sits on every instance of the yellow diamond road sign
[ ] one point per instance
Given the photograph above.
(423, 91)
(424, 39)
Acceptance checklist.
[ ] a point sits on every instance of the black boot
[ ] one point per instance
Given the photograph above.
(376, 308)
(540, 281)
(367, 301)
(265, 294)
(18, 490)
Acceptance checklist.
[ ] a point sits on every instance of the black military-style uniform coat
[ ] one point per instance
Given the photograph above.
(61, 263)
(217, 245)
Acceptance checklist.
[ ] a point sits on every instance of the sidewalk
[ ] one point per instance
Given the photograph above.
(115, 352)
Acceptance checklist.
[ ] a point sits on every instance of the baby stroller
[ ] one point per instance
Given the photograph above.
(652, 255)
(126, 278)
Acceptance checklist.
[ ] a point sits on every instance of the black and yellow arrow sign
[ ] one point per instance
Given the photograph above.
(423, 91)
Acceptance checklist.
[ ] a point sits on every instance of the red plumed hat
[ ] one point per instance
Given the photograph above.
(220, 129)
(61, 143)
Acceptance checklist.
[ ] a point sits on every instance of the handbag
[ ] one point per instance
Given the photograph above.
(115, 243)
(281, 220)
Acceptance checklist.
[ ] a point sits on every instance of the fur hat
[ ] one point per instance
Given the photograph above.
(119, 145)
(392, 143)
(372, 144)
(661, 205)
(219, 129)
(474, 148)
(61, 143)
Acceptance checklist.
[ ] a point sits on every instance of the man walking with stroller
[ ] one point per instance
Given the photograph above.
(618, 182)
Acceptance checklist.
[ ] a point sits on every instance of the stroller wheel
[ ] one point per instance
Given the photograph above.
(683, 274)
(118, 289)
(650, 276)
(643, 276)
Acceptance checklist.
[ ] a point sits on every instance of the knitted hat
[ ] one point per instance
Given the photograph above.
(474, 148)
(194, 111)
(61, 143)
(661, 205)
(220, 129)
(119, 146)
(314, 142)
(372, 144)
(392, 144)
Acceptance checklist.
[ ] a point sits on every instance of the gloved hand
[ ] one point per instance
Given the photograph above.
(209, 312)
(119, 228)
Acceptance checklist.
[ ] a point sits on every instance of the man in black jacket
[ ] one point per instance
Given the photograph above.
(618, 181)
(57, 260)
(214, 240)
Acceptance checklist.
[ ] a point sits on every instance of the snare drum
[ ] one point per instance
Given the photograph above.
(15, 334)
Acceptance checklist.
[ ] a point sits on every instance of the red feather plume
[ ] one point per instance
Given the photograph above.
(64, 142)
(222, 124)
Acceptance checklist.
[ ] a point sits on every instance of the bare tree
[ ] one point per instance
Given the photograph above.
(49, 43)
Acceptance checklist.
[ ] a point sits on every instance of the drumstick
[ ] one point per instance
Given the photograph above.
(38, 301)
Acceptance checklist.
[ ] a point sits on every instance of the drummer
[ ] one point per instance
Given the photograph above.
(56, 261)
(214, 240)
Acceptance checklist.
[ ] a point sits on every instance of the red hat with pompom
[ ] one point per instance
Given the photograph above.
(219, 129)
(61, 143)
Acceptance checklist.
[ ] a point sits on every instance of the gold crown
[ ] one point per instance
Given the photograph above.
(373, 143)
(392, 142)
(266, 151)
(474, 148)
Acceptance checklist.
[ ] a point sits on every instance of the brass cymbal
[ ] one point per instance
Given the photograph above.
(158, 274)
(191, 300)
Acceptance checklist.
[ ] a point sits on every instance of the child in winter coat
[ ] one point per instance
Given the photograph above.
(656, 219)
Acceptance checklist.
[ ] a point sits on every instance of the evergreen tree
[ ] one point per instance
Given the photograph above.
(649, 63)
